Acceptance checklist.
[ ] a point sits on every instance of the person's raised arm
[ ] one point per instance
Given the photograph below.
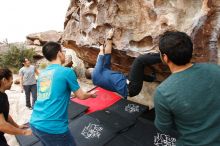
(108, 42)
(108, 47)
(74, 86)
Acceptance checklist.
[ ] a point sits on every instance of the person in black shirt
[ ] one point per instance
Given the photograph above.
(7, 124)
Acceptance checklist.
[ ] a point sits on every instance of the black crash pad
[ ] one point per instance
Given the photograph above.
(38, 144)
(75, 110)
(121, 140)
(128, 109)
(89, 131)
(149, 115)
(26, 140)
(112, 120)
(144, 133)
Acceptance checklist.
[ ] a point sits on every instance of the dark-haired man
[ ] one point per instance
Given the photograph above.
(49, 120)
(189, 99)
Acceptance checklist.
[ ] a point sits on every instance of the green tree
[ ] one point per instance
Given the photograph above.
(13, 57)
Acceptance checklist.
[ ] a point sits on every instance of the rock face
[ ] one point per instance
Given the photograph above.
(138, 25)
(206, 34)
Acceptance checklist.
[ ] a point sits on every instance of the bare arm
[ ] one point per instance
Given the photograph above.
(6, 127)
(84, 95)
(108, 42)
(37, 72)
(108, 47)
(12, 122)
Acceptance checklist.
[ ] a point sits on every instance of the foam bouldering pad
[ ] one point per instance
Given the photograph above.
(128, 109)
(103, 100)
(26, 140)
(149, 115)
(89, 131)
(112, 120)
(38, 144)
(121, 140)
(75, 110)
(144, 133)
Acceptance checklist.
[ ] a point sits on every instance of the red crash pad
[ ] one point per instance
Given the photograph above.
(103, 100)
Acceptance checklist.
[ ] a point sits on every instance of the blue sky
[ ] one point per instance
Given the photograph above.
(22, 17)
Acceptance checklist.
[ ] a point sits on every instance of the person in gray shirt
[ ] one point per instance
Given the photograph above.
(28, 81)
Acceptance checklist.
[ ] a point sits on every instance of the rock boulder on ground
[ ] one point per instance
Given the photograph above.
(43, 37)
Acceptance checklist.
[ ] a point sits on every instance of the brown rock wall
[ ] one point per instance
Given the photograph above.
(138, 25)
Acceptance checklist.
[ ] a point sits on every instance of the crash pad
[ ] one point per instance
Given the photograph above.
(75, 110)
(128, 109)
(103, 100)
(89, 131)
(112, 120)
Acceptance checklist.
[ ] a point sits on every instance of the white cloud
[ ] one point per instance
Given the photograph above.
(22, 17)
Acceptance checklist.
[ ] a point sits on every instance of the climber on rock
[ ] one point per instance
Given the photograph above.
(104, 77)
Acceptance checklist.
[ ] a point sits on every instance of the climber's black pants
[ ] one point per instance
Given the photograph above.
(136, 74)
